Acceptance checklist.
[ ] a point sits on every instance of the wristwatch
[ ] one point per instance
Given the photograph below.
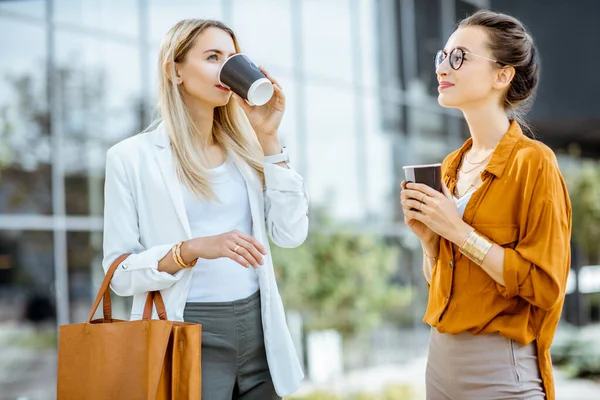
(277, 158)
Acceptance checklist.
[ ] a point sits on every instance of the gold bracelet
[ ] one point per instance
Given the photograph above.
(191, 264)
(470, 249)
(434, 259)
(465, 239)
(174, 254)
(476, 247)
(179, 260)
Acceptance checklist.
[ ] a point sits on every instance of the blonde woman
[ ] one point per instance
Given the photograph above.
(194, 201)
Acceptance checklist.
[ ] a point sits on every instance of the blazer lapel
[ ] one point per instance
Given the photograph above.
(164, 157)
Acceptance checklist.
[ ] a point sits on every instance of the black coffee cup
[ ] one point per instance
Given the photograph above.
(427, 174)
(239, 74)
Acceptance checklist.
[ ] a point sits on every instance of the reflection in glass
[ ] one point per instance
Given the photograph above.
(430, 139)
(369, 38)
(332, 169)
(464, 8)
(27, 315)
(25, 149)
(379, 164)
(84, 253)
(118, 16)
(163, 15)
(429, 40)
(31, 8)
(326, 39)
(267, 36)
(101, 105)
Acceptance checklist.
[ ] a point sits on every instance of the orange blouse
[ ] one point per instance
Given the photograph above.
(523, 206)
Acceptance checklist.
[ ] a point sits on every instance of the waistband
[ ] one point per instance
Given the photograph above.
(237, 307)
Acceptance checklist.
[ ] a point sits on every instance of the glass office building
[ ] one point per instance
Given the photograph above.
(77, 76)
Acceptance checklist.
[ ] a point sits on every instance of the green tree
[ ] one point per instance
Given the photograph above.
(584, 191)
(339, 278)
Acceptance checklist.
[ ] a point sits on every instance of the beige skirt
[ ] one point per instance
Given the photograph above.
(481, 367)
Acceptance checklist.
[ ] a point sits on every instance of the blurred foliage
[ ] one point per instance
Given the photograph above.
(339, 278)
(319, 395)
(584, 191)
(577, 350)
(391, 392)
(399, 392)
(40, 339)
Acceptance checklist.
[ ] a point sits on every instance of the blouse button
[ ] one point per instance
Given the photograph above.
(451, 263)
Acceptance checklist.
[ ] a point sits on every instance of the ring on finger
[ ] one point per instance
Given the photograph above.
(235, 249)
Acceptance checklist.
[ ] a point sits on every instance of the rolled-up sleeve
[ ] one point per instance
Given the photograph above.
(139, 272)
(286, 206)
(537, 268)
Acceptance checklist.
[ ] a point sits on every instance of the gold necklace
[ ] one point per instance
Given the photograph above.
(471, 170)
(472, 185)
(474, 181)
(477, 163)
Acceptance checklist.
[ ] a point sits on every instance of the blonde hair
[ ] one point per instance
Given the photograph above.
(231, 128)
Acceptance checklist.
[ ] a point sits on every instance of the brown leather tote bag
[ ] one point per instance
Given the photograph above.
(111, 359)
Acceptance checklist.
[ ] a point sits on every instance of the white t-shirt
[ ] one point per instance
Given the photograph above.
(222, 279)
(461, 203)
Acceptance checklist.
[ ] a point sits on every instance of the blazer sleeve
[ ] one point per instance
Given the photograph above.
(139, 272)
(286, 206)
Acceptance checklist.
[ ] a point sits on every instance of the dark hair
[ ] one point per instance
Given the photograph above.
(511, 44)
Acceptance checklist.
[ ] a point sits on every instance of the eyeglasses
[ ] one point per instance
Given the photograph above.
(456, 57)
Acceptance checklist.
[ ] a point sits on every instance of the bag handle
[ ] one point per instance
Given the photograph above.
(104, 295)
(156, 298)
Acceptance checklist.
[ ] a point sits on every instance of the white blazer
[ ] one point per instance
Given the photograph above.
(145, 215)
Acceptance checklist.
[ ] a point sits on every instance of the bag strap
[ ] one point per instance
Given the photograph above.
(104, 295)
(156, 298)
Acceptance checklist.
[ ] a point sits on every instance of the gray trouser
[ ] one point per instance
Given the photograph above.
(234, 362)
(481, 367)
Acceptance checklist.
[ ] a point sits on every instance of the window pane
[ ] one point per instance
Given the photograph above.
(381, 180)
(332, 169)
(264, 30)
(463, 9)
(25, 146)
(392, 111)
(430, 138)
(389, 65)
(429, 40)
(390, 44)
(84, 252)
(164, 14)
(368, 34)
(33, 8)
(27, 315)
(118, 16)
(100, 103)
(326, 39)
